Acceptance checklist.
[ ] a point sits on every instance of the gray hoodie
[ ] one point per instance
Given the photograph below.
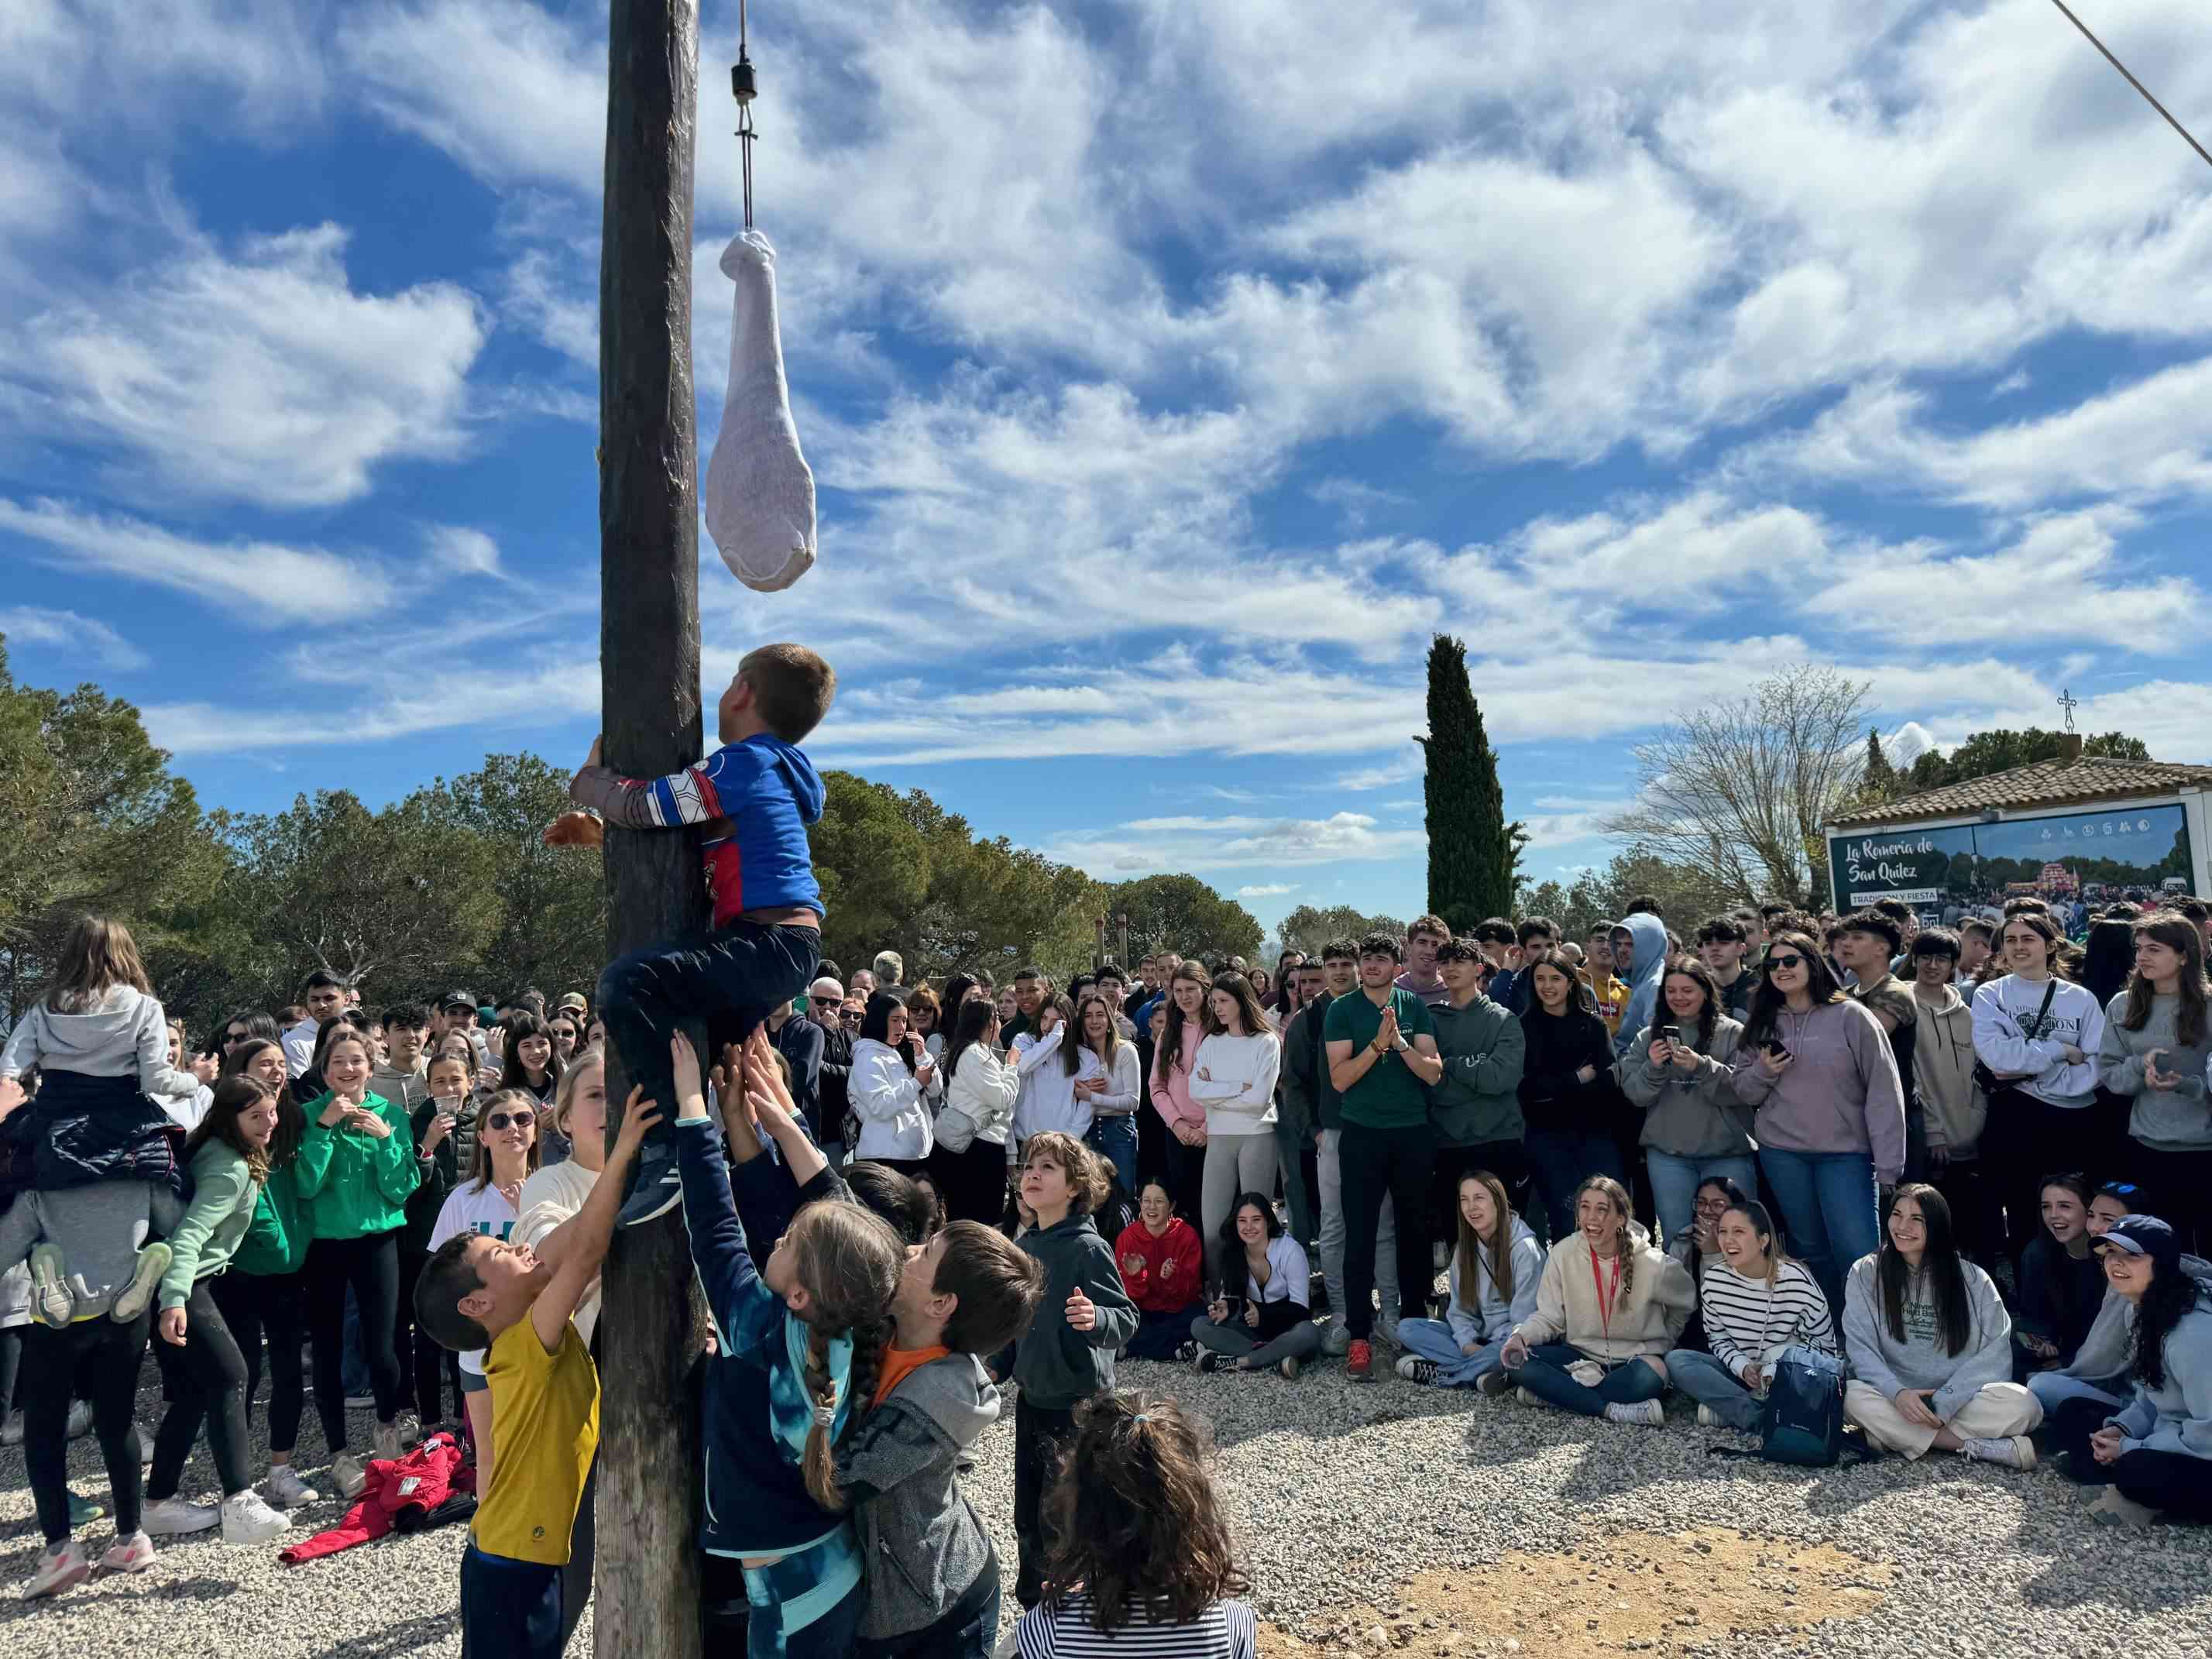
(1690, 1114)
(1841, 1093)
(98, 1229)
(123, 1034)
(1055, 1364)
(1493, 1317)
(1478, 1098)
(2177, 1417)
(1952, 1105)
(922, 1544)
(1884, 1362)
(2176, 1120)
(1643, 977)
(2108, 1350)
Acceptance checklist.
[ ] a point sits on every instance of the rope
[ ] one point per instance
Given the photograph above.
(743, 87)
(2109, 58)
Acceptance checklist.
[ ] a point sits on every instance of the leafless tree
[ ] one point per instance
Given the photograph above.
(1742, 786)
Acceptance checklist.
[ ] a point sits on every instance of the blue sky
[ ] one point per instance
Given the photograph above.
(1170, 374)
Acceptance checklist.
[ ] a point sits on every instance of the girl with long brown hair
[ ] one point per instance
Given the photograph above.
(1190, 1020)
(2157, 1042)
(1495, 1269)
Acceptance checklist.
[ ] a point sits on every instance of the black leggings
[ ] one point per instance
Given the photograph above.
(104, 1357)
(370, 1264)
(11, 1365)
(423, 1365)
(211, 1387)
(252, 1304)
(2172, 1481)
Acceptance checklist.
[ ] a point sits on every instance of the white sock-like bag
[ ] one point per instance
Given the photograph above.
(759, 497)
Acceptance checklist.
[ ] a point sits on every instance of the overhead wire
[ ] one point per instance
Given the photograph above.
(2187, 138)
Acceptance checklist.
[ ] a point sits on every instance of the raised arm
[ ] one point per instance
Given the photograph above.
(697, 794)
(594, 1225)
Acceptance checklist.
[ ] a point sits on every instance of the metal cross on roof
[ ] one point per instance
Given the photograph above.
(2068, 701)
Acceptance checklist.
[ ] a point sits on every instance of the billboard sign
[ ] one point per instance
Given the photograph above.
(2131, 853)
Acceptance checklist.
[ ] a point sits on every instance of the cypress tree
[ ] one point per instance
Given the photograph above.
(1879, 784)
(1473, 853)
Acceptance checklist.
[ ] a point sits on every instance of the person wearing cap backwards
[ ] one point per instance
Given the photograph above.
(2153, 1455)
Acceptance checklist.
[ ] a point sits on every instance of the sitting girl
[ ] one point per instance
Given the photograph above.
(2060, 1284)
(1260, 1317)
(1756, 1302)
(1144, 1559)
(100, 1043)
(1930, 1345)
(1493, 1277)
(2153, 1455)
(797, 1344)
(1163, 1270)
(1619, 1302)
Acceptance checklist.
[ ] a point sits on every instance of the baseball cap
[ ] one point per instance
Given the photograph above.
(573, 999)
(457, 1000)
(2145, 1235)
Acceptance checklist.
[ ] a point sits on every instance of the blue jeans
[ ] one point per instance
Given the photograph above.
(1828, 1210)
(720, 988)
(1431, 1339)
(1675, 1181)
(1114, 1140)
(1560, 1160)
(1709, 1382)
(1545, 1376)
(2051, 1390)
(1159, 1335)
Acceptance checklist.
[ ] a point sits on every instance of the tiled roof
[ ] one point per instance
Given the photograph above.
(2045, 783)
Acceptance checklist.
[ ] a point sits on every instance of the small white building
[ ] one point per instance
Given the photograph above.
(2085, 827)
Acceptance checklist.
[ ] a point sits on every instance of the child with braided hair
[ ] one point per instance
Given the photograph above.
(799, 1342)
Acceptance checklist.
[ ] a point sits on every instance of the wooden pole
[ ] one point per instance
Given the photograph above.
(647, 1581)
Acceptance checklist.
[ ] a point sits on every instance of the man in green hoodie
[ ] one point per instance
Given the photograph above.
(1475, 1106)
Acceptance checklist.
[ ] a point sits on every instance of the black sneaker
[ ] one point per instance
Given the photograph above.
(660, 1188)
(1208, 1360)
(1187, 1352)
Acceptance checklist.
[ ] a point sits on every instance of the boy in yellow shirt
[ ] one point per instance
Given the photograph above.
(514, 1303)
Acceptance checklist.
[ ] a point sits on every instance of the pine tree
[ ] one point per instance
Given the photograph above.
(1473, 853)
(1878, 783)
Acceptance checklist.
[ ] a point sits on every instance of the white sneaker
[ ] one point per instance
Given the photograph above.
(247, 1520)
(131, 1554)
(52, 1294)
(1336, 1342)
(80, 1419)
(387, 1444)
(145, 1279)
(285, 1490)
(2112, 1508)
(173, 1517)
(1709, 1418)
(1648, 1412)
(2016, 1453)
(63, 1567)
(348, 1476)
(1527, 1398)
(1440, 1255)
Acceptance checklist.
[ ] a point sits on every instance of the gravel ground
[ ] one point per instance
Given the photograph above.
(1343, 1494)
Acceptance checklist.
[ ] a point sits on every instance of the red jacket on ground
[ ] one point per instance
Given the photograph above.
(400, 1491)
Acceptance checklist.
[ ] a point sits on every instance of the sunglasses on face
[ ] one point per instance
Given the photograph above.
(1772, 962)
(824, 1002)
(233, 1037)
(498, 1121)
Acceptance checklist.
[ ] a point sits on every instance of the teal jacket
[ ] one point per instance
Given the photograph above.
(354, 1183)
(224, 1195)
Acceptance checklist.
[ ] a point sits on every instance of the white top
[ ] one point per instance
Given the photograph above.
(1124, 1082)
(1227, 1630)
(551, 1196)
(985, 1089)
(1048, 1099)
(1233, 1079)
(471, 1209)
(1290, 1275)
(298, 1045)
(2005, 1008)
(123, 1033)
(894, 1118)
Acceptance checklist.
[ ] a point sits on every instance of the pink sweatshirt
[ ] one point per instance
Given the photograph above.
(1170, 1091)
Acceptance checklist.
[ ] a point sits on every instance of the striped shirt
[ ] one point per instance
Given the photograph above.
(1745, 1320)
(1227, 1630)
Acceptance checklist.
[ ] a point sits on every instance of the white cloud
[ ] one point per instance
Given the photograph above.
(261, 584)
(1412, 764)
(458, 550)
(1225, 843)
(261, 376)
(1267, 889)
(82, 636)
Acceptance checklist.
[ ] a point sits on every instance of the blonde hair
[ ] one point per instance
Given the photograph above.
(97, 954)
(1471, 1250)
(564, 1093)
(1087, 1185)
(848, 1259)
(1616, 1195)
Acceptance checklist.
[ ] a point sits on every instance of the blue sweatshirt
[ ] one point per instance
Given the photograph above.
(2177, 1418)
(1642, 978)
(755, 1415)
(754, 798)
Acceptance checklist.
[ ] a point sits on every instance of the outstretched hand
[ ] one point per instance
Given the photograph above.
(575, 829)
(638, 1114)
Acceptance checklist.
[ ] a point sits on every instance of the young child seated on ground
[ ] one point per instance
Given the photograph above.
(515, 1303)
(1142, 1558)
(753, 796)
(100, 1043)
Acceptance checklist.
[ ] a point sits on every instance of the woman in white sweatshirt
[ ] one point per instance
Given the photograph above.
(1051, 1061)
(1609, 1307)
(1754, 1302)
(891, 1077)
(1233, 1078)
(2039, 1035)
(1495, 1270)
(1110, 1080)
(970, 1164)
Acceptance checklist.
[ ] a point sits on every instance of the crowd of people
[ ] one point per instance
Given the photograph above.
(1587, 1173)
